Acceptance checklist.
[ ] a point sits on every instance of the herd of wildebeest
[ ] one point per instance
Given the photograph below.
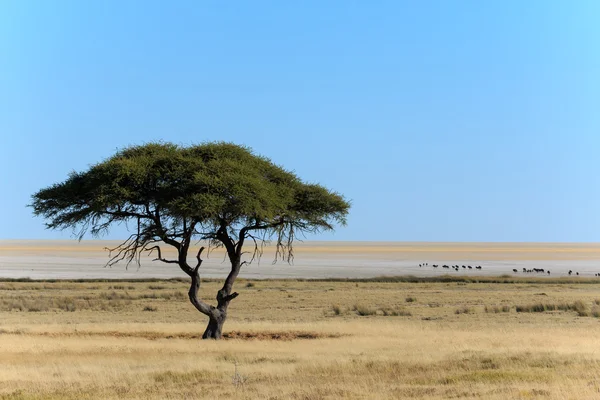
(525, 270)
(456, 267)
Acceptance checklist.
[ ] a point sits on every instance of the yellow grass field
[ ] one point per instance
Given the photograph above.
(293, 339)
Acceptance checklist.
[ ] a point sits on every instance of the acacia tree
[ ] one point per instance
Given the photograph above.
(217, 193)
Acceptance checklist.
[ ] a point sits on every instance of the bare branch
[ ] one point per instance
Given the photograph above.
(198, 257)
(193, 294)
(160, 258)
(125, 251)
(230, 297)
(285, 239)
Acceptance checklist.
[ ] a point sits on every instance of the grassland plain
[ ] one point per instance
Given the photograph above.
(424, 338)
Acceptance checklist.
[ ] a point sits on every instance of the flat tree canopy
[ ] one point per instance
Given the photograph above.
(220, 193)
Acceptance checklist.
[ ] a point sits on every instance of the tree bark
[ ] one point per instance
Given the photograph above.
(216, 315)
(214, 329)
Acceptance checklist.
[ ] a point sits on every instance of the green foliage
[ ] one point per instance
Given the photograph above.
(207, 191)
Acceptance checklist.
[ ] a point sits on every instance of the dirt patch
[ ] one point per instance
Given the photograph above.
(237, 335)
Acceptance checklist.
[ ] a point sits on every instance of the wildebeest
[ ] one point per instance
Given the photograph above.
(515, 270)
(570, 272)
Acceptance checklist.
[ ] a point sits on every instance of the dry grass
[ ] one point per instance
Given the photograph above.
(300, 340)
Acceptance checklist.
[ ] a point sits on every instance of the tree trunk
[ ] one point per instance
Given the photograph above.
(215, 327)
(216, 315)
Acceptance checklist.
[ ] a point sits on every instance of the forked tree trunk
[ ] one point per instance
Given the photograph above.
(216, 315)
(214, 329)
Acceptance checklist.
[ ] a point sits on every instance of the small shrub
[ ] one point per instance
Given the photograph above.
(410, 299)
(150, 308)
(363, 310)
(539, 307)
(65, 304)
(595, 312)
(387, 312)
(597, 302)
(580, 308)
(463, 310)
(337, 310)
(156, 287)
(250, 284)
(497, 309)
(164, 295)
(17, 305)
(115, 296)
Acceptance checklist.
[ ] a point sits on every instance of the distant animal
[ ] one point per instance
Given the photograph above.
(478, 267)
(577, 273)
(570, 272)
(515, 270)
(524, 270)
(548, 272)
(468, 266)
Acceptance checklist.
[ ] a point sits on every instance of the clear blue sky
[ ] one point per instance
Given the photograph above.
(440, 120)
